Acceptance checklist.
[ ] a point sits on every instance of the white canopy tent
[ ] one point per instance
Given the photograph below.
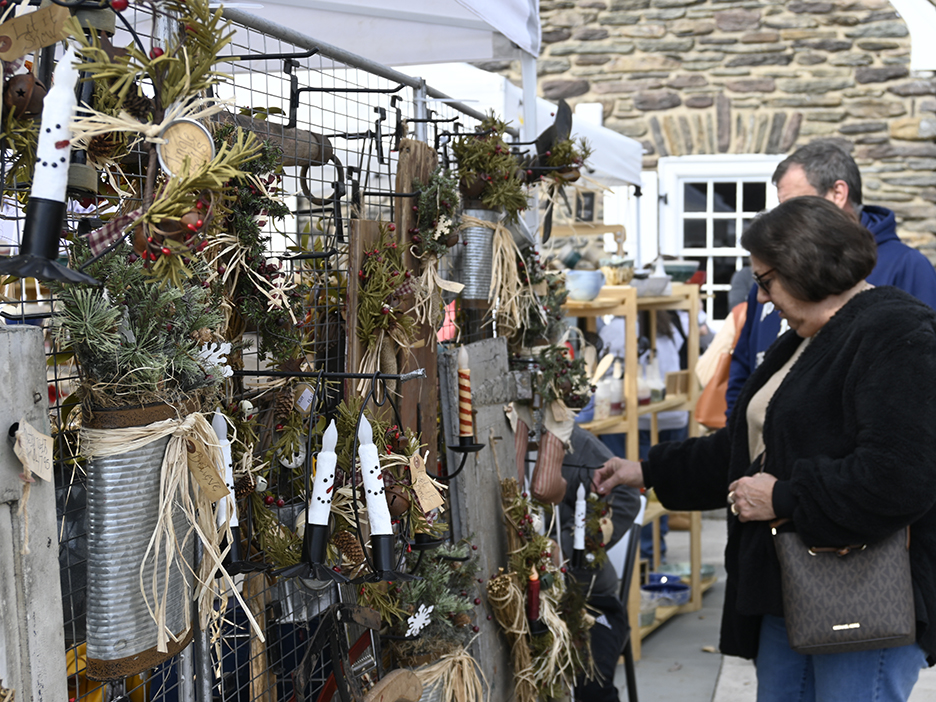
(616, 159)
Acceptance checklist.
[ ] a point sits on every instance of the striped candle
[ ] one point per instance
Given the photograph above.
(465, 422)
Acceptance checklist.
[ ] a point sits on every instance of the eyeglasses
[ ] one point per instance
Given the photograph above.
(761, 283)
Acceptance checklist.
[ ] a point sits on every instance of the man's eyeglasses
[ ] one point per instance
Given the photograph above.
(761, 283)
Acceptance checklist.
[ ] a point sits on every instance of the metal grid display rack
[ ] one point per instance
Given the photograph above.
(350, 115)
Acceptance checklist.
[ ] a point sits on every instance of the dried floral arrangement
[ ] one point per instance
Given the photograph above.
(561, 379)
(436, 221)
(260, 294)
(488, 171)
(383, 325)
(551, 652)
(542, 304)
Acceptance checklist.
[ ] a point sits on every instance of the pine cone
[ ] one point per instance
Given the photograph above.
(461, 619)
(138, 106)
(347, 542)
(104, 147)
(244, 486)
(202, 336)
(283, 406)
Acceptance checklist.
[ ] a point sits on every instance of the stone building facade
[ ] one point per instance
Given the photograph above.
(756, 77)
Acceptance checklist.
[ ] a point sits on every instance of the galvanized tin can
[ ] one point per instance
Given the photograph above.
(469, 261)
(123, 506)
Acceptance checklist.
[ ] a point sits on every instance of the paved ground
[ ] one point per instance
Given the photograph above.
(675, 668)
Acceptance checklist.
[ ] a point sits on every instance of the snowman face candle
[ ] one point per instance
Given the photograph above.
(54, 147)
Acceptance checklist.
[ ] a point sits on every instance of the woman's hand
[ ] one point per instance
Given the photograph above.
(752, 498)
(617, 471)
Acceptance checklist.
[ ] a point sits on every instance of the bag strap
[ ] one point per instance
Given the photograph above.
(739, 312)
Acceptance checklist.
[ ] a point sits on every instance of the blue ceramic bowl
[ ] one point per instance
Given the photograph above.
(668, 594)
(584, 285)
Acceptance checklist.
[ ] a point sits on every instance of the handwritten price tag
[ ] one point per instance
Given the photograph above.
(426, 493)
(29, 33)
(205, 472)
(305, 396)
(34, 449)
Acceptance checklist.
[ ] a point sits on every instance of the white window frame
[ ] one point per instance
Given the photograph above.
(674, 171)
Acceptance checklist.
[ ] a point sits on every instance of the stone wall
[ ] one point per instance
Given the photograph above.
(756, 76)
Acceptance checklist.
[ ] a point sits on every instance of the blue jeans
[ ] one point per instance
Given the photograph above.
(618, 444)
(879, 675)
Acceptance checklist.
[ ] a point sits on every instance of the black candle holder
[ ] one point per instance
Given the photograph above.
(465, 446)
(384, 561)
(232, 562)
(314, 549)
(578, 559)
(424, 542)
(40, 245)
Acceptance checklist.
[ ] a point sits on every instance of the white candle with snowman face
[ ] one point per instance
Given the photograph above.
(54, 148)
(378, 512)
(220, 426)
(323, 487)
(578, 534)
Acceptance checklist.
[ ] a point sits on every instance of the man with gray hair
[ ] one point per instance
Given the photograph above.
(824, 168)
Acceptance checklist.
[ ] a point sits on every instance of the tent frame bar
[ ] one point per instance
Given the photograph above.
(347, 58)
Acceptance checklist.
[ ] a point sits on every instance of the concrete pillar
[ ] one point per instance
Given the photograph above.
(475, 493)
(32, 645)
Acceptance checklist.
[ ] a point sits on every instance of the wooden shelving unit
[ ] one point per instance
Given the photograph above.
(622, 301)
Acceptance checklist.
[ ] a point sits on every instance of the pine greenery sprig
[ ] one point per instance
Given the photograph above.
(136, 343)
(485, 158)
(21, 137)
(182, 68)
(568, 153)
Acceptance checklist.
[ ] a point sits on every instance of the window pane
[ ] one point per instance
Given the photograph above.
(725, 198)
(694, 197)
(754, 196)
(723, 232)
(723, 268)
(720, 307)
(745, 223)
(694, 233)
(703, 262)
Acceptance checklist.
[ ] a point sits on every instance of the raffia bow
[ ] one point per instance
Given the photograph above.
(176, 488)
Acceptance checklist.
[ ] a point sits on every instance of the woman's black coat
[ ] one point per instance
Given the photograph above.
(851, 437)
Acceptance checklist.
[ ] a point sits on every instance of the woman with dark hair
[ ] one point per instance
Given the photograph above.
(836, 432)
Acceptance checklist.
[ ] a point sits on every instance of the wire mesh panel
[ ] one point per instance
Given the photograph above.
(330, 131)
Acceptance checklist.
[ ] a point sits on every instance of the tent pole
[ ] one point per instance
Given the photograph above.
(529, 131)
(420, 112)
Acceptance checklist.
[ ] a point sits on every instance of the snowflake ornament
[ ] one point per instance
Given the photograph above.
(420, 620)
(216, 355)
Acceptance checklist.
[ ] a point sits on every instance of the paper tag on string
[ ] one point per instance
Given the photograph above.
(305, 396)
(29, 33)
(205, 472)
(34, 449)
(426, 493)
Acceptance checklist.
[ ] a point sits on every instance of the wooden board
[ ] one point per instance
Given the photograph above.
(363, 234)
(419, 399)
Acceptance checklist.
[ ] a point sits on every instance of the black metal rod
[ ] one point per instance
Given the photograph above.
(402, 377)
(383, 91)
(271, 57)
